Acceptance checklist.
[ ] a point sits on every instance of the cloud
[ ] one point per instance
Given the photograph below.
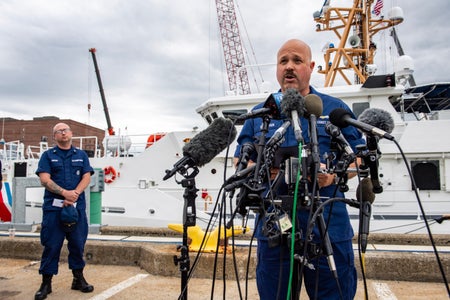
(159, 60)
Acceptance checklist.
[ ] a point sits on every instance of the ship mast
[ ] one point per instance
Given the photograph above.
(354, 27)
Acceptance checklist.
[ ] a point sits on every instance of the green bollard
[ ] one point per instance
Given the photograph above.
(97, 187)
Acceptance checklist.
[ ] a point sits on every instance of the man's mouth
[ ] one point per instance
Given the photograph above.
(289, 76)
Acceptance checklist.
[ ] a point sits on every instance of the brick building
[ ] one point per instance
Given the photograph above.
(32, 132)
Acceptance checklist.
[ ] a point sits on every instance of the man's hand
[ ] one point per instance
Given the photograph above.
(325, 179)
(70, 197)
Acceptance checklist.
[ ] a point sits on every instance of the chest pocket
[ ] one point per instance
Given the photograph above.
(57, 167)
(77, 168)
(321, 132)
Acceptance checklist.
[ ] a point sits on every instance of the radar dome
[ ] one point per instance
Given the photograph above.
(404, 66)
(396, 14)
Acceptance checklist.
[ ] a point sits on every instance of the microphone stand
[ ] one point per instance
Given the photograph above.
(189, 219)
(253, 187)
(314, 203)
(328, 250)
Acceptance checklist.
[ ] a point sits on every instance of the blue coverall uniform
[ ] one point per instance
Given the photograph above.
(66, 168)
(340, 230)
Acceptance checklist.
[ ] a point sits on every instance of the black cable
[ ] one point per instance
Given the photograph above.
(236, 273)
(249, 258)
(441, 268)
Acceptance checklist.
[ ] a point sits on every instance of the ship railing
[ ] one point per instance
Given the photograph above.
(88, 144)
(33, 154)
(13, 150)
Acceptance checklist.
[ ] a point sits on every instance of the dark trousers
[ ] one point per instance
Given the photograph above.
(272, 273)
(52, 238)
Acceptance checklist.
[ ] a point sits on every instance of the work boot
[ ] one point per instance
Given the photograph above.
(79, 283)
(46, 287)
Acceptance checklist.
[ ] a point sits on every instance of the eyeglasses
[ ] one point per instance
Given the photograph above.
(61, 131)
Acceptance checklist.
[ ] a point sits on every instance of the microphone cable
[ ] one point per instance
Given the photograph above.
(210, 224)
(433, 244)
(361, 254)
(294, 217)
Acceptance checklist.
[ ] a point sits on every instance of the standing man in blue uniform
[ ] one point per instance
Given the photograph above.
(65, 172)
(294, 68)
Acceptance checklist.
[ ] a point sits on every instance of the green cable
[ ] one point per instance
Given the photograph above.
(294, 217)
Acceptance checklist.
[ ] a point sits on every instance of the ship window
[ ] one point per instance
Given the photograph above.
(214, 115)
(233, 114)
(20, 169)
(426, 174)
(359, 107)
(208, 119)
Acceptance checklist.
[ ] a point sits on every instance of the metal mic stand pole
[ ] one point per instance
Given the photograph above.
(254, 185)
(261, 145)
(189, 219)
(327, 248)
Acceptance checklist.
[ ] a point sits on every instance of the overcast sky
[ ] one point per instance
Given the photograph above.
(159, 60)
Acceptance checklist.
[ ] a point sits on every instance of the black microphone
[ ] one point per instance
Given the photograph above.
(278, 134)
(256, 113)
(336, 133)
(365, 195)
(273, 102)
(381, 119)
(246, 150)
(343, 118)
(372, 161)
(293, 105)
(205, 146)
(270, 107)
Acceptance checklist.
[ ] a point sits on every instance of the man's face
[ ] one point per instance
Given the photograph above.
(62, 133)
(294, 67)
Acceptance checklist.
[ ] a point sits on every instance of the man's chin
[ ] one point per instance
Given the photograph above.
(290, 86)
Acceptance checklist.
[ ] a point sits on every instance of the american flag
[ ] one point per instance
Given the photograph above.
(377, 8)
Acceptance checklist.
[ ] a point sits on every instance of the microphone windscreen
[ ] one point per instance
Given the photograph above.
(338, 117)
(378, 118)
(273, 102)
(364, 191)
(314, 105)
(208, 143)
(292, 100)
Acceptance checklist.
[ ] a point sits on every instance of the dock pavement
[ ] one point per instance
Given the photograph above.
(139, 265)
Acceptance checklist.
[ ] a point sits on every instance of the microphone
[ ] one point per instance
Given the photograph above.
(273, 102)
(378, 118)
(381, 119)
(205, 146)
(314, 105)
(336, 133)
(343, 118)
(293, 105)
(278, 134)
(372, 161)
(256, 113)
(270, 107)
(365, 195)
(246, 150)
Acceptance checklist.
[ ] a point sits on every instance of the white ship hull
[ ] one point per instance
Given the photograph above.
(138, 196)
